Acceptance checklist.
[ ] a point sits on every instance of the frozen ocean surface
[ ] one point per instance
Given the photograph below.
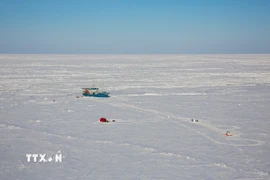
(153, 99)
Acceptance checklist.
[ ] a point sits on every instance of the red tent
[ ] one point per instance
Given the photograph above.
(103, 120)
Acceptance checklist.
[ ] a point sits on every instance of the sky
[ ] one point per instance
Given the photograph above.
(135, 26)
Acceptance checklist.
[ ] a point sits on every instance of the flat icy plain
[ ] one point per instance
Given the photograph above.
(153, 99)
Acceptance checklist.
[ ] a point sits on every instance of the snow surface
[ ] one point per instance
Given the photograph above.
(153, 99)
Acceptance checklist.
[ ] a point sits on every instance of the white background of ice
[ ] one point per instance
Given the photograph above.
(153, 98)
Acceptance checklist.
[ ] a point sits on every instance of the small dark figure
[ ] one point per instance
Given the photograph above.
(196, 120)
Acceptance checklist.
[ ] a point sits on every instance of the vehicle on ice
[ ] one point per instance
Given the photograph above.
(95, 92)
(228, 133)
(104, 120)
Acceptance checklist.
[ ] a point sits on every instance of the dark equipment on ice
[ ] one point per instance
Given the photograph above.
(194, 120)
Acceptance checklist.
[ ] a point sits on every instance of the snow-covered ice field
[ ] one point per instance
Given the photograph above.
(153, 98)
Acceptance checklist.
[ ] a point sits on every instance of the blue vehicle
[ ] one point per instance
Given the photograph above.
(94, 92)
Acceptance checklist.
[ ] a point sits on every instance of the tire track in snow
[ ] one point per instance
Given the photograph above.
(146, 150)
(205, 125)
(253, 178)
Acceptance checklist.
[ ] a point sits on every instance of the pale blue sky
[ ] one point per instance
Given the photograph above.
(135, 26)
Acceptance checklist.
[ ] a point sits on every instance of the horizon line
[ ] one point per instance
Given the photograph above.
(134, 53)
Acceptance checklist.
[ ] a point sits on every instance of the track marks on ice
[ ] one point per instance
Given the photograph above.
(142, 149)
(238, 142)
